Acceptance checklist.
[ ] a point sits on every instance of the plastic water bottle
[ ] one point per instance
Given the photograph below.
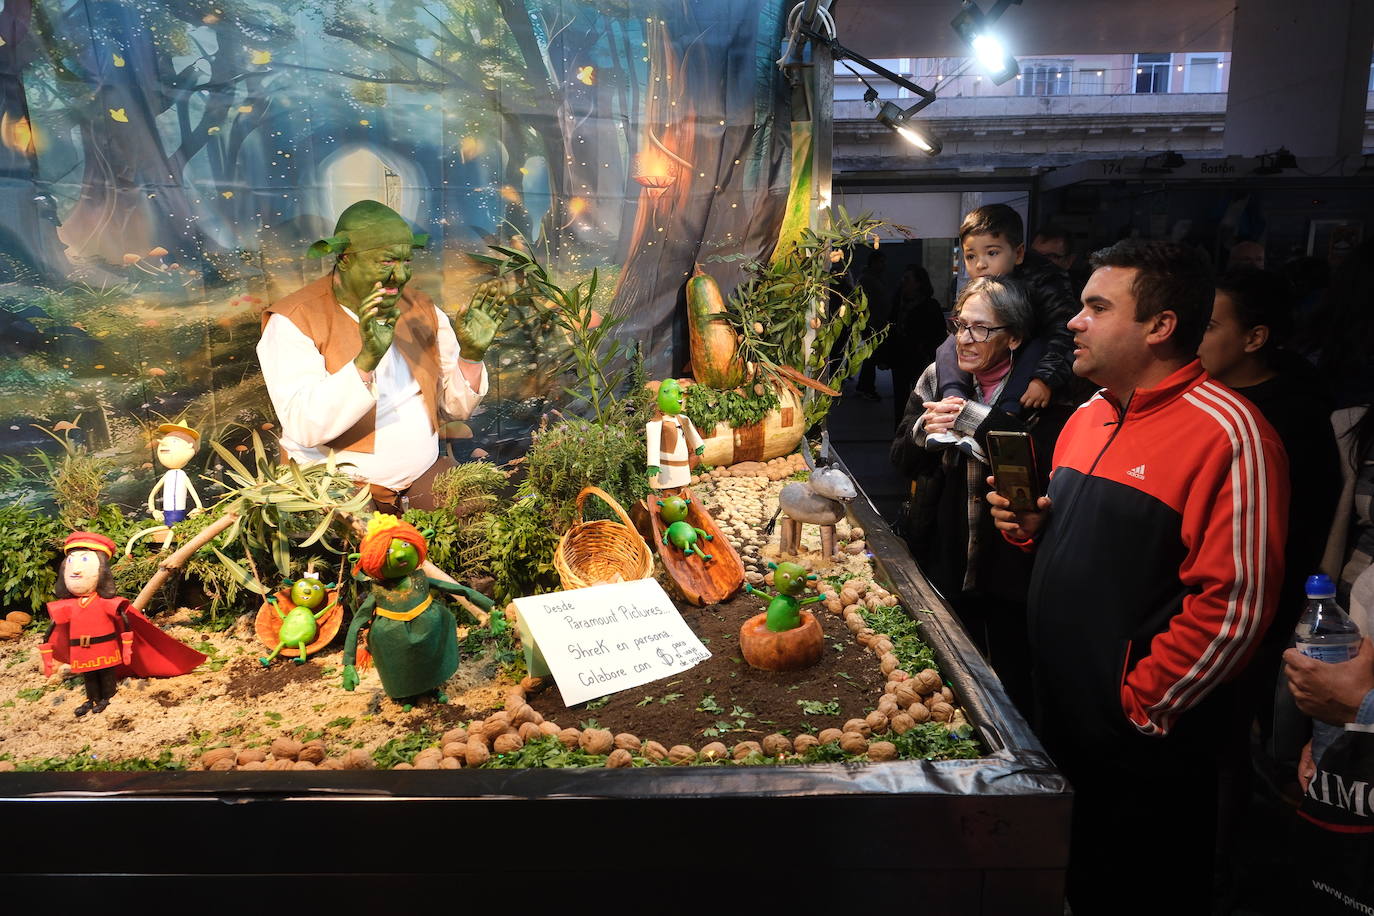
(1325, 632)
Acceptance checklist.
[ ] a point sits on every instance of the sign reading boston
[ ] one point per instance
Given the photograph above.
(607, 638)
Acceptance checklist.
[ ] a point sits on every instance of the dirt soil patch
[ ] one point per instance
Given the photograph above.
(725, 699)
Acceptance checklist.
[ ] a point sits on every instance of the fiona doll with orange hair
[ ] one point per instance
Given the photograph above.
(413, 639)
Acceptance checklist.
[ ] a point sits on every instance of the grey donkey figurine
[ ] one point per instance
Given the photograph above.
(818, 501)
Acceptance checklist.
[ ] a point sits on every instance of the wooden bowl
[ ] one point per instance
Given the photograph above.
(790, 650)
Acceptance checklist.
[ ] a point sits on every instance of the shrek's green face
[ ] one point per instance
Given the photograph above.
(791, 578)
(401, 559)
(670, 396)
(673, 509)
(307, 593)
(360, 271)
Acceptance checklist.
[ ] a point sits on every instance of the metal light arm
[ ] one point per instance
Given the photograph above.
(839, 51)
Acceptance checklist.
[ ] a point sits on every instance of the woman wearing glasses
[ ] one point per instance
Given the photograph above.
(941, 444)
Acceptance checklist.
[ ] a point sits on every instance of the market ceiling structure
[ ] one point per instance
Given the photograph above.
(920, 28)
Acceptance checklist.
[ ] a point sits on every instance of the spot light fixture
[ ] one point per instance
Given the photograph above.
(889, 114)
(977, 32)
(1274, 163)
(900, 121)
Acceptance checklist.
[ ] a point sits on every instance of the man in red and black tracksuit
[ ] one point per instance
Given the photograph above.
(1159, 552)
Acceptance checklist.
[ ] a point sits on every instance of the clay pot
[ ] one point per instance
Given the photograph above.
(790, 650)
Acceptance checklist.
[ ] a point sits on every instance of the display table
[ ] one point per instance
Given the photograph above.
(988, 835)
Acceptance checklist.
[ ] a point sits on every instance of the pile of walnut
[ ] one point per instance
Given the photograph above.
(907, 701)
(12, 627)
(773, 469)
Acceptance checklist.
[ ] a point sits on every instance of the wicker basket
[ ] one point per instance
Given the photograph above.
(593, 553)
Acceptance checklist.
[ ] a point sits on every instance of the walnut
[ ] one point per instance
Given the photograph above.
(21, 618)
(928, 680)
(829, 735)
(9, 630)
(224, 763)
(302, 765)
(889, 704)
(902, 723)
(919, 712)
(898, 675)
(627, 741)
(427, 763)
(597, 741)
(358, 759)
(207, 759)
(877, 721)
(859, 725)
(281, 763)
(948, 693)
(853, 621)
(619, 758)
(549, 728)
(528, 731)
(887, 662)
(570, 737)
(494, 725)
(251, 755)
(655, 751)
(455, 748)
(882, 646)
(312, 753)
(776, 745)
(253, 765)
(745, 748)
(715, 751)
(940, 711)
(882, 750)
(681, 754)
(906, 694)
(451, 763)
(521, 714)
(803, 743)
(457, 735)
(286, 748)
(853, 743)
(477, 753)
(507, 744)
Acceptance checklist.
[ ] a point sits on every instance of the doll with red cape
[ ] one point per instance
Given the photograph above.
(100, 635)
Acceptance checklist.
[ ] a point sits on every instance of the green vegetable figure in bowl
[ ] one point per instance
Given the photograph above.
(784, 637)
(784, 611)
(412, 638)
(301, 624)
(679, 533)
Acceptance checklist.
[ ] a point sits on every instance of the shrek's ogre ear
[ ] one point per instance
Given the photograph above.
(420, 241)
(335, 244)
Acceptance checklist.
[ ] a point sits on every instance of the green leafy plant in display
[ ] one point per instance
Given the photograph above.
(30, 544)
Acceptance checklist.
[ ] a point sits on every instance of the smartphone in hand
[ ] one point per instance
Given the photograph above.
(1012, 456)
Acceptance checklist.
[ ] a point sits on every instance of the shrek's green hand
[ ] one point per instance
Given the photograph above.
(701, 450)
(350, 677)
(377, 328)
(476, 327)
(652, 471)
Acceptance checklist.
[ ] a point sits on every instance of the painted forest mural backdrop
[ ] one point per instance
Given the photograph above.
(165, 163)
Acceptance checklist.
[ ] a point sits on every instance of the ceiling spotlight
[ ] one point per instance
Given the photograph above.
(909, 130)
(976, 31)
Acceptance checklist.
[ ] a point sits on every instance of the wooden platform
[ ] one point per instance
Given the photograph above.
(702, 582)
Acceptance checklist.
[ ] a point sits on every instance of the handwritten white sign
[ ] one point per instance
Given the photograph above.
(607, 638)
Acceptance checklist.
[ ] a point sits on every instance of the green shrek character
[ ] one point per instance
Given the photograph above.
(363, 349)
(784, 611)
(413, 639)
(679, 533)
(301, 624)
(672, 439)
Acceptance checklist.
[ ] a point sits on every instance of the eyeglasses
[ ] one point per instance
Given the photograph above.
(979, 333)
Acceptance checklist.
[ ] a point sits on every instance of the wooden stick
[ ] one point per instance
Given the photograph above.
(180, 556)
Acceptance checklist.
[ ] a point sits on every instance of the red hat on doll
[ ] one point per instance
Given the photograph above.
(88, 540)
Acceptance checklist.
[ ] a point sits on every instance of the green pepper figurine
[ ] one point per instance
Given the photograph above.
(413, 639)
(784, 611)
(301, 624)
(681, 535)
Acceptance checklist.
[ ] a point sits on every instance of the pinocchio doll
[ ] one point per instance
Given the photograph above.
(101, 635)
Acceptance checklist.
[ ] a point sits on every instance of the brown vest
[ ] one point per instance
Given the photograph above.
(318, 315)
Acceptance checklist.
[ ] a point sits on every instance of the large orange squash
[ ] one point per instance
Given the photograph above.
(790, 650)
